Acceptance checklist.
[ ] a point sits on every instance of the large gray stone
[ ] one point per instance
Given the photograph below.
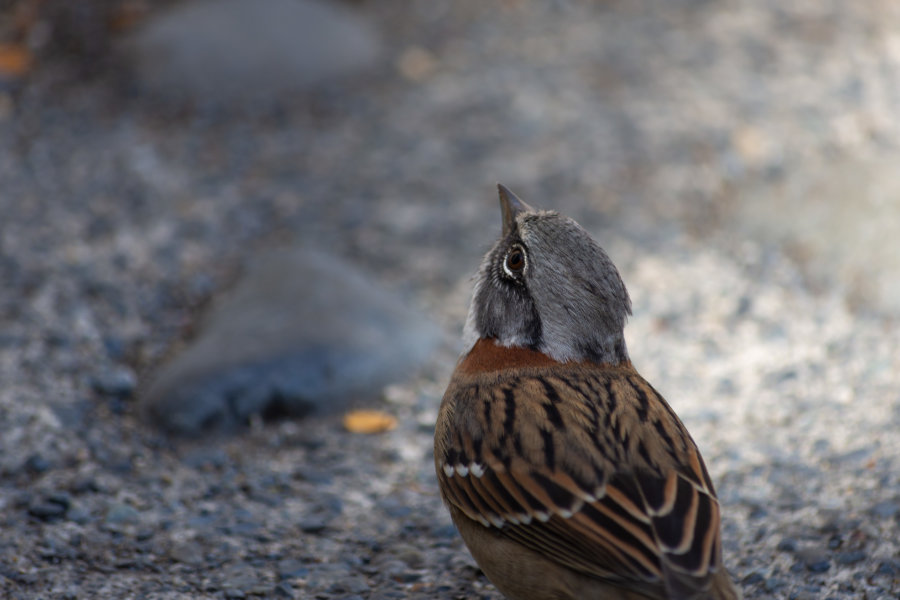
(243, 53)
(303, 332)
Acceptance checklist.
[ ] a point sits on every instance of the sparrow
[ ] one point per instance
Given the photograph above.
(567, 475)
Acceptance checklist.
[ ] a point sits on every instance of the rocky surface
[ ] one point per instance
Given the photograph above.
(667, 128)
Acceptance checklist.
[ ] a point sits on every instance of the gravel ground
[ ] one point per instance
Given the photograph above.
(648, 121)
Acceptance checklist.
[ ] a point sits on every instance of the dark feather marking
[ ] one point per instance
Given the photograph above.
(451, 457)
(517, 444)
(550, 409)
(533, 503)
(612, 401)
(643, 402)
(486, 413)
(642, 450)
(667, 439)
(549, 450)
(694, 559)
(509, 419)
(560, 496)
(653, 489)
(477, 444)
(624, 538)
(496, 486)
(601, 476)
(670, 527)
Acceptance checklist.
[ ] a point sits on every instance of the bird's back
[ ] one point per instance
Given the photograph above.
(583, 464)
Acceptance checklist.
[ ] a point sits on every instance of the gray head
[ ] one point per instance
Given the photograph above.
(548, 286)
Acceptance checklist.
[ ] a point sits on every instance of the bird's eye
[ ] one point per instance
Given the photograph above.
(514, 263)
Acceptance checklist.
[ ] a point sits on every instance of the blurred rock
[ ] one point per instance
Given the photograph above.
(239, 53)
(116, 381)
(835, 221)
(303, 332)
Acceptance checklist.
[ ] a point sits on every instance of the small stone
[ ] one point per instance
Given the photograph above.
(61, 498)
(444, 531)
(888, 509)
(850, 558)
(405, 576)
(412, 557)
(354, 584)
(78, 515)
(888, 567)
(50, 508)
(787, 545)
(284, 590)
(189, 553)
(119, 382)
(290, 568)
(37, 464)
(753, 579)
(207, 459)
(122, 514)
(814, 561)
(313, 525)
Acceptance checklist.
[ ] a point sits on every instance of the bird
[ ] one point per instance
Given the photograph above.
(567, 475)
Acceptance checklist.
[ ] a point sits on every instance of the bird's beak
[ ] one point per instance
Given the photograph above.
(510, 206)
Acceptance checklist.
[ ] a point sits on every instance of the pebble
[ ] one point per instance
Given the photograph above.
(290, 568)
(889, 509)
(284, 590)
(354, 584)
(50, 508)
(37, 464)
(889, 567)
(188, 552)
(119, 382)
(814, 561)
(787, 545)
(850, 558)
(122, 514)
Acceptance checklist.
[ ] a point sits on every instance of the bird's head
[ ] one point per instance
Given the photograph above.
(548, 286)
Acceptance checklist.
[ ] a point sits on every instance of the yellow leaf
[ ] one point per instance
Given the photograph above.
(369, 421)
(15, 60)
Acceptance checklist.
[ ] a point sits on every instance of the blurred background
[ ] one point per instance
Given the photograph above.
(738, 160)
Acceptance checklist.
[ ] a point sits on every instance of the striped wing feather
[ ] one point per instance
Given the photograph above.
(589, 467)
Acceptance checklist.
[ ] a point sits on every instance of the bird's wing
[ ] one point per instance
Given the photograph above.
(591, 468)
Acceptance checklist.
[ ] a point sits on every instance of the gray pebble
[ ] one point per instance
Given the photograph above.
(48, 509)
(814, 561)
(850, 558)
(313, 524)
(787, 545)
(37, 464)
(888, 509)
(118, 382)
(290, 568)
(753, 579)
(122, 514)
(188, 552)
(890, 567)
(354, 584)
